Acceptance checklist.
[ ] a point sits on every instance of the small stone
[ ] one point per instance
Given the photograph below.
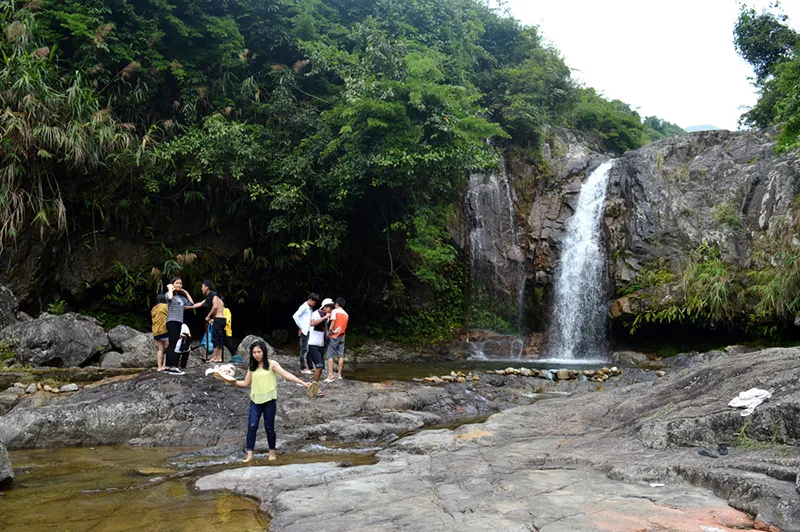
(499, 372)
(614, 370)
(47, 387)
(417, 379)
(510, 371)
(448, 378)
(72, 387)
(544, 374)
(476, 378)
(453, 374)
(563, 374)
(31, 388)
(526, 372)
(462, 379)
(660, 373)
(437, 380)
(18, 385)
(605, 371)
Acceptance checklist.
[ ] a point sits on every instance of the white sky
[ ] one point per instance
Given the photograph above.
(673, 59)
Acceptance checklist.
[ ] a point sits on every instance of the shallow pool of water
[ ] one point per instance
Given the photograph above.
(406, 372)
(131, 488)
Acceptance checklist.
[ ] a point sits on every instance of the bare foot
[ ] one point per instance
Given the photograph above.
(272, 455)
(249, 457)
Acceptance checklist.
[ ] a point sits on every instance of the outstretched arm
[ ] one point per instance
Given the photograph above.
(248, 379)
(274, 366)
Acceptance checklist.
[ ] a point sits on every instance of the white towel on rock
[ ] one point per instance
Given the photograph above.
(749, 400)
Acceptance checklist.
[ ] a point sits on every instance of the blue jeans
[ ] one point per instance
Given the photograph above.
(268, 410)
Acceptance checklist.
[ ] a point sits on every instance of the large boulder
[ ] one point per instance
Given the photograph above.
(244, 348)
(119, 334)
(134, 349)
(8, 307)
(68, 340)
(6, 473)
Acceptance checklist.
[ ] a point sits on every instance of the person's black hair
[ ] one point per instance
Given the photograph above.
(314, 296)
(161, 298)
(209, 284)
(172, 281)
(253, 362)
(340, 301)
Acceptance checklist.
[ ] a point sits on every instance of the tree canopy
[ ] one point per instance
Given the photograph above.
(772, 47)
(315, 125)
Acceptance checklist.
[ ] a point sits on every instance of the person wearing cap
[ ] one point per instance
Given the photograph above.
(316, 342)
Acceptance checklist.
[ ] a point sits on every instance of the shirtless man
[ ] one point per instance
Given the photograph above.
(216, 316)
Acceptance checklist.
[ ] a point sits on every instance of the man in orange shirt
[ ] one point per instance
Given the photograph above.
(337, 329)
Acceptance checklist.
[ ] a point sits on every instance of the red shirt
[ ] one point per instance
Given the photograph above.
(339, 320)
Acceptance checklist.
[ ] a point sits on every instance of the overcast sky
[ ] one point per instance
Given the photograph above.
(674, 59)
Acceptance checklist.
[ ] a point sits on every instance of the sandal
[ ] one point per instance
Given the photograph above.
(722, 450)
(706, 452)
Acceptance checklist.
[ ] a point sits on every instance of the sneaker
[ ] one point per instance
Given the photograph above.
(312, 390)
(174, 371)
(329, 380)
(306, 371)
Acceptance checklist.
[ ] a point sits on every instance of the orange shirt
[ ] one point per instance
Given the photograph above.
(338, 322)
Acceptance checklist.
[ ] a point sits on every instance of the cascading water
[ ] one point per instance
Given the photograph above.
(578, 331)
(497, 267)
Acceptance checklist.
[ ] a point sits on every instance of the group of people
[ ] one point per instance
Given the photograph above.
(316, 327)
(319, 322)
(172, 335)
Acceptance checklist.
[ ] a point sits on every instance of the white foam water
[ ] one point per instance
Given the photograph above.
(579, 328)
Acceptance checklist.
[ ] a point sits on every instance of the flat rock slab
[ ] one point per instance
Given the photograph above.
(461, 491)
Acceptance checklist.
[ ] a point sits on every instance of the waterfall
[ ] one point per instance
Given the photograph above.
(497, 267)
(578, 331)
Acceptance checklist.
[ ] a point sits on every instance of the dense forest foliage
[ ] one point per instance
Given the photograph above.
(772, 47)
(333, 137)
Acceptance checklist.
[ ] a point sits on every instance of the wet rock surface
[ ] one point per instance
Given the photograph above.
(584, 462)
(555, 462)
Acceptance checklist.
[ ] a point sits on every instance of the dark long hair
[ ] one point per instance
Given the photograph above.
(253, 362)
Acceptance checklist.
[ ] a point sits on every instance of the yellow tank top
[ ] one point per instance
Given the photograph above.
(263, 386)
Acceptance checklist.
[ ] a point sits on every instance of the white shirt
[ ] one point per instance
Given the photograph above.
(303, 318)
(316, 337)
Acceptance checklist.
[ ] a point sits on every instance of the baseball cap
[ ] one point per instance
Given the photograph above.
(327, 301)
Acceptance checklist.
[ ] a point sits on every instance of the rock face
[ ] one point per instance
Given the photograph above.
(66, 340)
(728, 189)
(8, 307)
(6, 472)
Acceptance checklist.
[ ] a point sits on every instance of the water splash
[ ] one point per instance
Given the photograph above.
(579, 329)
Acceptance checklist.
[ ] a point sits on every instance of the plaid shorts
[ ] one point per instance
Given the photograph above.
(335, 348)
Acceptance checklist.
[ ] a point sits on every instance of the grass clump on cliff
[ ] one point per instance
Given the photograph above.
(653, 273)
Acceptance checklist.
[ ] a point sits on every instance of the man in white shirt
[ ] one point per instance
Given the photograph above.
(303, 320)
(316, 342)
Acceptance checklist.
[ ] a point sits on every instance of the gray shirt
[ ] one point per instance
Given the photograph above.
(175, 309)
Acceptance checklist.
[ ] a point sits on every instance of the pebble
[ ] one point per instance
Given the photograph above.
(660, 373)
(18, 385)
(72, 387)
(31, 388)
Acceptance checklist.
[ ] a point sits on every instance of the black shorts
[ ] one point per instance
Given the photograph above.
(218, 332)
(315, 354)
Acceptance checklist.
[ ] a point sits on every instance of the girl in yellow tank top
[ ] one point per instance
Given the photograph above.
(263, 395)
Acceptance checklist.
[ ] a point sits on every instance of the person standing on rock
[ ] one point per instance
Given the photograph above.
(179, 299)
(338, 327)
(302, 319)
(158, 315)
(316, 342)
(216, 316)
(263, 395)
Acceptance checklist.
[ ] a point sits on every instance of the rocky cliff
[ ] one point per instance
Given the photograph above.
(717, 196)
